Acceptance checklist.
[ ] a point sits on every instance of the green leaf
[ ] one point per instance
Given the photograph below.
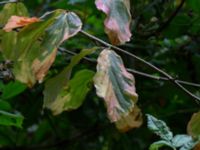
(180, 140)
(115, 85)
(36, 45)
(193, 127)
(72, 95)
(8, 119)
(4, 105)
(159, 144)
(159, 127)
(12, 89)
(10, 9)
(117, 23)
(194, 4)
(55, 86)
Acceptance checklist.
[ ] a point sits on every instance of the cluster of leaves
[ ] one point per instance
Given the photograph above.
(44, 76)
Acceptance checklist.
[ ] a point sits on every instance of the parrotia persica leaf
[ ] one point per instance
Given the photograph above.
(117, 23)
(73, 94)
(193, 127)
(117, 87)
(36, 44)
(57, 89)
(18, 21)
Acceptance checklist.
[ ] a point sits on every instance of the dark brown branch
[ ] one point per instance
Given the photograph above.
(169, 77)
(173, 15)
(167, 22)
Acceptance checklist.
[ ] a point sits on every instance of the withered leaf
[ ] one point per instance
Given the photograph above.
(18, 21)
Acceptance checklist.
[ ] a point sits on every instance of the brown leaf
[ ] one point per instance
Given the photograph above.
(40, 69)
(197, 147)
(17, 21)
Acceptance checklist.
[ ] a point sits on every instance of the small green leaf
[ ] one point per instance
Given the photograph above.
(159, 144)
(8, 119)
(159, 127)
(12, 89)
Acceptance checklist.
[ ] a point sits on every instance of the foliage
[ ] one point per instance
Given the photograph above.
(63, 88)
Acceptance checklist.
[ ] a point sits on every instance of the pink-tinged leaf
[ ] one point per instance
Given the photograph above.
(18, 21)
(117, 23)
(117, 87)
(35, 46)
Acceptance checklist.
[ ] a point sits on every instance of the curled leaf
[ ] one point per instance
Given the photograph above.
(117, 87)
(117, 23)
(18, 21)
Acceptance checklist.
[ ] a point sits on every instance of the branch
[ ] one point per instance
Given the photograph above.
(168, 21)
(169, 77)
(61, 49)
(173, 15)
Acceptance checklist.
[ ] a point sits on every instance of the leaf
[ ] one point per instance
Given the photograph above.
(193, 127)
(115, 85)
(159, 144)
(17, 21)
(132, 120)
(8, 119)
(180, 140)
(36, 45)
(117, 23)
(55, 86)
(73, 94)
(12, 89)
(11, 9)
(4, 105)
(159, 127)
(189, 145)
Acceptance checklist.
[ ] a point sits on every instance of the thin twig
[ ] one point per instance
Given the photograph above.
(162, 78)
(169, 77)
(61, 49)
